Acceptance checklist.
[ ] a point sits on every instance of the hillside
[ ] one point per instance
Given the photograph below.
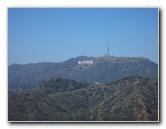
(102, 70)
(130, 98)
(30, 105)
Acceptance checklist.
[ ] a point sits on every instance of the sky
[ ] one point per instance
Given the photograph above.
(58, 34)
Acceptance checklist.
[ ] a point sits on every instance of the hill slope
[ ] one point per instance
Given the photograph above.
(30, 105)
(130, 98)
(102, 70)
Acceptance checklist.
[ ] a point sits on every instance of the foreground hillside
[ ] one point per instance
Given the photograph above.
(102, 70)
(130, 98)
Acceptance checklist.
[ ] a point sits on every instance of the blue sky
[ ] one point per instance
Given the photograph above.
(57, 34)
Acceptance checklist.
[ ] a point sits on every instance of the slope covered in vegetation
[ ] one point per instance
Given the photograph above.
(130, 98)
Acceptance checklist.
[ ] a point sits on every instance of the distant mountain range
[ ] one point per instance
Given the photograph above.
(131, 98)
(82, 69)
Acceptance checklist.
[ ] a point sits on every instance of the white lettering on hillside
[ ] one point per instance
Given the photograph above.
(85, 62)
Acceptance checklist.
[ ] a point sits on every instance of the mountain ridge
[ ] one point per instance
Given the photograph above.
(103, 69)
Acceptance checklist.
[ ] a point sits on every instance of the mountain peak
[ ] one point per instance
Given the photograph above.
(54, 85)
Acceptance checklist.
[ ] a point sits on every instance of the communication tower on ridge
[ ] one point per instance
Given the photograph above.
(108, 50)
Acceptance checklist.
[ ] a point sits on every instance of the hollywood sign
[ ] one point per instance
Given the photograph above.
(85, 62)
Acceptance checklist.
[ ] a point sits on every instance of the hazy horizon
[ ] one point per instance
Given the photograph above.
(58, 34)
